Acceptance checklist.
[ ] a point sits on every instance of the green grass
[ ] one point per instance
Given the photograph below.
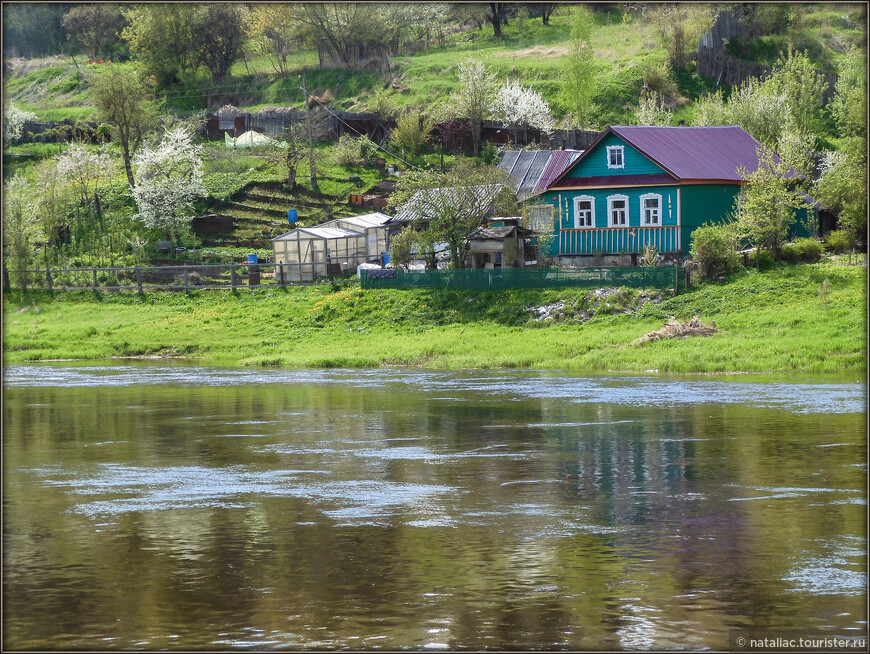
(773, 321)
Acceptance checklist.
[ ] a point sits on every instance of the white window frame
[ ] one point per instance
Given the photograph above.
(643, 210)
(616, 149)
(577, 201)
(610, 200)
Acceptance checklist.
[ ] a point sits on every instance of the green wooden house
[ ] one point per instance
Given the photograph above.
(642, 185)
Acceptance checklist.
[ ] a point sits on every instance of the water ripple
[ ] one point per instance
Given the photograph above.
(634, 390)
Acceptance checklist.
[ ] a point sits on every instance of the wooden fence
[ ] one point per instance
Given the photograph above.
(183, 278)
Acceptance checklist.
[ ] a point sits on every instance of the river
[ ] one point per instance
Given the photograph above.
(178, 507)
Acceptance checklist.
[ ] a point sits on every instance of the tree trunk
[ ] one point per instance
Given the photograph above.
(495, 18)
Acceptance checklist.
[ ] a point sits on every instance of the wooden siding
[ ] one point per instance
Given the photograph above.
(594, 162)
(704, 203)
(619, 240)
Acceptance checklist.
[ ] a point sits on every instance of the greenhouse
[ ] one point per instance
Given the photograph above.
(306, 253)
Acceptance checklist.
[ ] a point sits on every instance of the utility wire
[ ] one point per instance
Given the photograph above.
(329, 111)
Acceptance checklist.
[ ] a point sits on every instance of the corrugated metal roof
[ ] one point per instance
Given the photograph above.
(527, 168)
(367, 220)
(689, 153)
(704, 153)
(560, 160)
(498, 232)
(416, 207)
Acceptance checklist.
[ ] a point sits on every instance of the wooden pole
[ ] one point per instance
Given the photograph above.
(48, 278)
(233, 276)
(185, 278)
(139, 279)
(95, 279)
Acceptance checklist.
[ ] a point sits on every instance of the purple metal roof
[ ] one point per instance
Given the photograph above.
(557, 164)
(697, 153)
(612, 180)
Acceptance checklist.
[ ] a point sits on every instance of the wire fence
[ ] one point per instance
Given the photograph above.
(661, 277)
(150, 278)
(235, 276)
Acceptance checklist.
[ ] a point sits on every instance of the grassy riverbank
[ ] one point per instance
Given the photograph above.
(789, 319)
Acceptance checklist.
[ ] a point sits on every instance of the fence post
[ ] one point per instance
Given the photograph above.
(138, 278)
(48, 279)
(233, 276)
(281, 273)
(676, 279)
(185, 278)
(95, 278)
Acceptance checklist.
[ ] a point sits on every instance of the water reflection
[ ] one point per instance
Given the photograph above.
(177, 507)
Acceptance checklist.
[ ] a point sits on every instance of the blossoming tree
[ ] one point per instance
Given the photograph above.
(517, 106)
(169, 180)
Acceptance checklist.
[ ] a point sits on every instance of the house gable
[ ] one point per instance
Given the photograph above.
(598, 162)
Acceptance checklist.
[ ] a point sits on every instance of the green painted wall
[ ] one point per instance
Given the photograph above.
(668, 193)
(594, 163)
(704, 203)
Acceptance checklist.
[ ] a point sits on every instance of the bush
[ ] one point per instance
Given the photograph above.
(804, 250)
(766, 258)
(837, 241)
(351, 151)
(714, 250)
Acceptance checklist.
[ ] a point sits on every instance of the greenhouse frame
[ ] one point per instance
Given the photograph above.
(334, 247)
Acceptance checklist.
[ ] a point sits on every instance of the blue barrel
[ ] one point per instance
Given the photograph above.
(386, 256)
(252, 258)
(291, 216)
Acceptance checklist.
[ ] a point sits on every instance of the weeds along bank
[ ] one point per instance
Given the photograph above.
(804, 318)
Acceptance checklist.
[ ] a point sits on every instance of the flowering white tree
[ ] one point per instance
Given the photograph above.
(473, 98)
(85, 169)
(652, 111)
(516, 106)
(13, 123)
(168, 180)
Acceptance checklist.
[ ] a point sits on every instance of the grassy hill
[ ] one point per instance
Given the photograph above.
(625, 45)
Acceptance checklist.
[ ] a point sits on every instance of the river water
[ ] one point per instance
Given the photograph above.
(180, 507)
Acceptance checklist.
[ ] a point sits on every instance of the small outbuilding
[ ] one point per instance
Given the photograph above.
(499, 247)
(333, 247)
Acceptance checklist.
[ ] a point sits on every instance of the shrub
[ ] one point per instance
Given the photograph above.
(714, 250)
(766, 260)
(837, 241)
(806, 250)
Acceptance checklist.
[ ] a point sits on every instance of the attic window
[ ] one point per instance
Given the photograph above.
(615, 157)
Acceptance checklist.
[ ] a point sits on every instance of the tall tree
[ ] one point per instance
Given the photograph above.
(170, 179)
(218, 36)
(767, 205)
(124, 99)
(577, 74)
(33, 29)
(161, 36)
(352, 34)
(474, 96)
(842, 186)
(275, 29)
(96, 27)
(454, 203)
(21, 231)
(497, 16)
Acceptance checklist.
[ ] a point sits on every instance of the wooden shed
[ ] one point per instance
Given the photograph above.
(498, 247)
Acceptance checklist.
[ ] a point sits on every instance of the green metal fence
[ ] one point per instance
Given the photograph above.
(505, 278)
